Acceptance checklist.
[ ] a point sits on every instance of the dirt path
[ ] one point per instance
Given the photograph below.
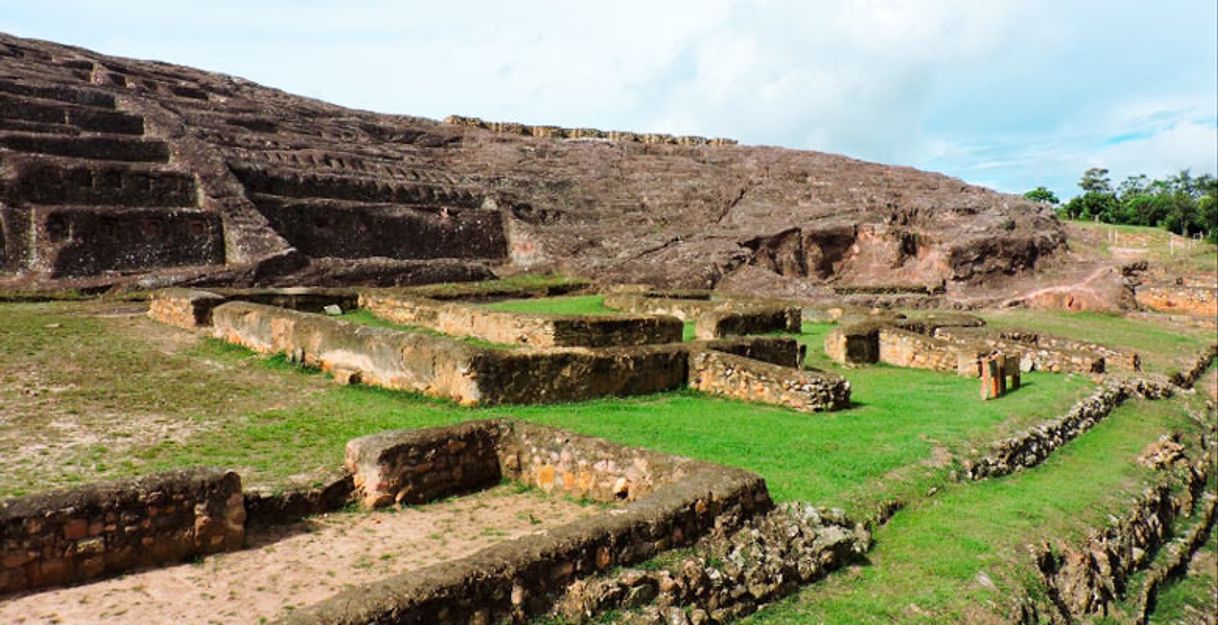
(297, 565)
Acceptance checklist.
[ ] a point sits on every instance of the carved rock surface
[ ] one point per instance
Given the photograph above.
(116, 170)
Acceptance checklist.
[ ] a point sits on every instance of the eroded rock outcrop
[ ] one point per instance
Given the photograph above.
(114, 170)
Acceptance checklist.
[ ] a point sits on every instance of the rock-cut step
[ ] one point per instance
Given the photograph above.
(94, 148)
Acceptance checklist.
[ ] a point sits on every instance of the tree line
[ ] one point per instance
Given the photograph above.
(1183, 203)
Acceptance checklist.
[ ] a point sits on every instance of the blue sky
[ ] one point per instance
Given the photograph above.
(1006, 93)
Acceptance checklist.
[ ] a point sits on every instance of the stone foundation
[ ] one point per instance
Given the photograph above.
(69, 536)
(726, 576)
(191, 308)
(760, 320)
(673, 502)
(751, 380)
(1030, 448)
(538, 330)
(445, 367)
(416, 466)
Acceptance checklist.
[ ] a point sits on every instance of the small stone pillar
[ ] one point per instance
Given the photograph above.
(1001, 360)
(991, 376)
(1013, 371)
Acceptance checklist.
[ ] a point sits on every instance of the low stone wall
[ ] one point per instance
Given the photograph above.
(907, 349)
(754, 320)
(751, 380)
(781, 351)
(676, 501)
(1042, 352)
(445, 367)
(417, 362)
(1189, 376)
(1176, 561)
(857, 344)
(191, 308)
(586, 467)
(1179, 299)
(263, 507)
(715, 318)
(1030, 448)
(104, 529)
(537, 330)
(417, 466)
(725, 577)
(1087, 579)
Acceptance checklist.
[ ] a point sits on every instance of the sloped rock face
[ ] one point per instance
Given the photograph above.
(112, 168)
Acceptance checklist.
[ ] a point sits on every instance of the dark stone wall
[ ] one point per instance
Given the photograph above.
(390, 231)
(83, 242)
(104, 529)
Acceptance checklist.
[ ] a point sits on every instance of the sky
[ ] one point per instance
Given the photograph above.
(1009, 94)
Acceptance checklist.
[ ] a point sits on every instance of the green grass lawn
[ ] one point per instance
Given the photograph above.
(279, 425)
(570, 305)
(1162, 349)
(930, 561)
(1172, 251)
(1196, 594)
(563, 305)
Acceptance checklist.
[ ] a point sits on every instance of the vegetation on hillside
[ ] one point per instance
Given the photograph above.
(1184, 204)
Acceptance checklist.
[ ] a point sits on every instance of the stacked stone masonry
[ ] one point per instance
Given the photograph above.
(191, 308)
(726, 576)
(713, 318)
(538, 330)
(959, 342)
(557, 132)
(672, 502)
(70, 536)
(806, 390)
(1088, 579)
(764, 369)
(445, 367)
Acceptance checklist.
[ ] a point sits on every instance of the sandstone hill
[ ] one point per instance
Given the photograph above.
(122, 172)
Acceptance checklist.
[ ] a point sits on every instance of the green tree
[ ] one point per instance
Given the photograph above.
(1043, 196)
(1095, 180)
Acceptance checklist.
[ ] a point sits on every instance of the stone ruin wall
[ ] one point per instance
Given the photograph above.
(557, 132)
(538, 330)
(713, 318)
(191, 308)
(64, 537)
(417, 466)
(672, 502)
(445, 367)
(944, 346)
(664, 502)
(745, 379)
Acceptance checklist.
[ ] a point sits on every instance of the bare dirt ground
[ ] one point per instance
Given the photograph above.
(296, 565)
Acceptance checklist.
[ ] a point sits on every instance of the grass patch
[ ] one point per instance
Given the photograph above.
(563, 305)
(1162, 349)
(1194, 596)
(522, 285)
(1163, 248)
(278, 424)
(929, 561)
(363, 317)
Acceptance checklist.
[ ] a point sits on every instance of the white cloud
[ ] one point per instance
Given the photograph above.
(1016, 92)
